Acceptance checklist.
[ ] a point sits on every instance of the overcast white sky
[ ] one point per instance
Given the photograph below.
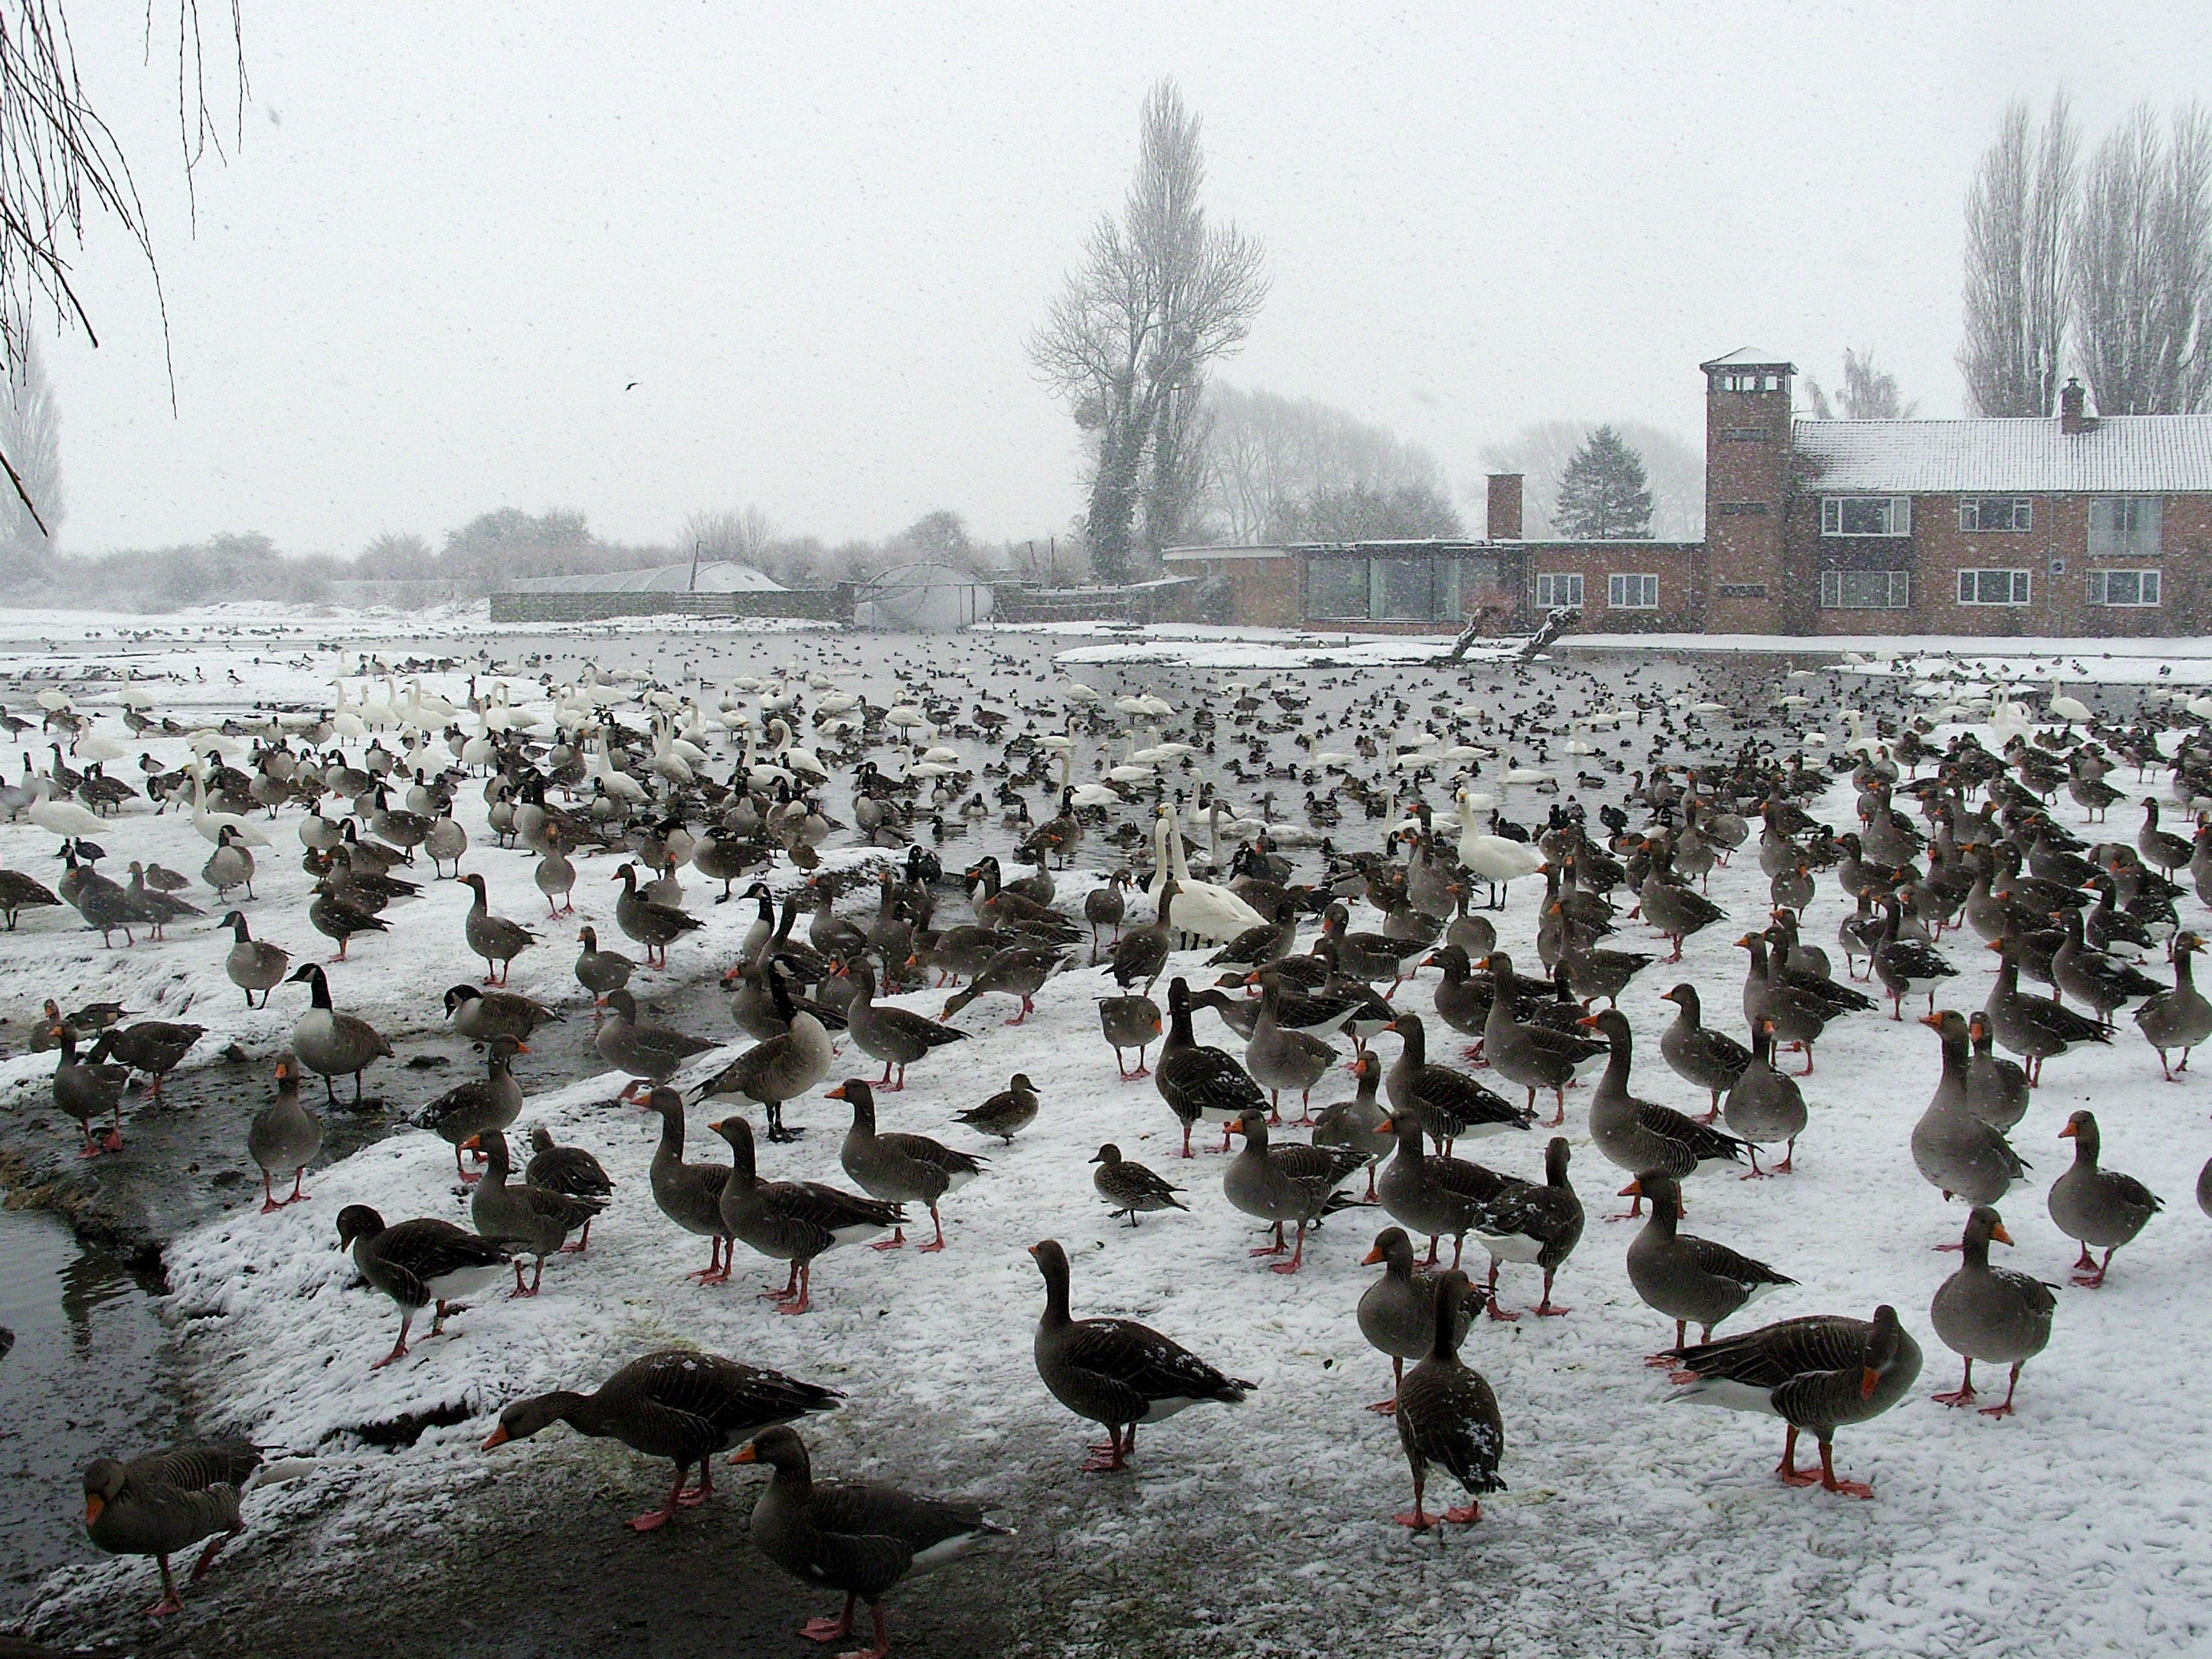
(454, 234)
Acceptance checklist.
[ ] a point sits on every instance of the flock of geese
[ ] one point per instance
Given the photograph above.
(1956, 842)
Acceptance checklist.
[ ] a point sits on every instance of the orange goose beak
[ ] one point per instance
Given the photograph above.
(94, 1503)
(1933, 1022)
(837, 1093)
(1999, 1234)
(1633, 1189)
(497, 1438)
(1371, 1257)
(746, 1454)
(1868, 1379)
(2066, 1133)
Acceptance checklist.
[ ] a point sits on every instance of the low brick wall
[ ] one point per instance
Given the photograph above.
(832, 605)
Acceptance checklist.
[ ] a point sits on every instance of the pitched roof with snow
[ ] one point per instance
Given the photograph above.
(2148, 454)
(718, 576)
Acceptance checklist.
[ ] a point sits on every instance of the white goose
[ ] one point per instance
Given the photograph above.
(1201, 907)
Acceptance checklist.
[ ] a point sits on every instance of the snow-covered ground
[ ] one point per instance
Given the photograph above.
(2076, 1526)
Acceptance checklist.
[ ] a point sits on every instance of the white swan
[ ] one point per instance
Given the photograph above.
(1201, 907)
(2072, 710)
(212, 825)
(58, 817)
(1495, 860)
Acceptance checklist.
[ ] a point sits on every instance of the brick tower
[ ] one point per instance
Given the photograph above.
(1747, 485)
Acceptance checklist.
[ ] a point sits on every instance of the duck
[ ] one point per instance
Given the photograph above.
(418, 1263)
(1199, 1082)
(167, 1501)
(1129, 1022)
(1956, 1153)
(900, 1169)
(1447, 1104)
(254, 965)
(86, 1088)
(688, 1194)
(644, 1053)
(283, 1136)
(1128, 1187)
(677, 1403)
(536, 1221)
(896, 1036)
(1817, 1373)
(330, 1044)
(571, 1171)
(1997, 1088)
(1638, 1134)
(2034, 1027)
(1764, 1106)
(1712, 1060)
(1990, 1314)
(1397, 1313)
(2097, 1207)
(792, 1221)
(2179, 1018)
(1539, 1222)
(470, 1109)
(863, 1540)
(600, 971)
(1288, 1183)
(480, 1016)
(656, 927)
(1447, 1414)
(1690, 1280)
(1011, 1110)
(780, 1067)
(1116, 1372)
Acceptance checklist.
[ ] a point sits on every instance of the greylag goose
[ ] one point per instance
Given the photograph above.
(1534, 1221)
(86, 1088)
(1288, 1183)
(1433, 1194)
(2100, 1207)
(1639, 1135)
(1988, 1313)
(2179, 1018)
(469, 1109)
(1398, 1312)
(1116, 1372)
(899, 1168)
(1008, 1113)
(1764, 1106)
(862, 1540)
(676, 1403)
(1816, 1373)
(1359, 1124)
(1199, 1082)
(1142, 953)
(896, 1036)
(1447, 1414)
(645, 1054)
(1129, 1022)
(1674, 910)
(166, 1501)
(792, 1221)
(600, 971)
(1712, 1060)
(688, 1194)
(231, 865)
(656, 927)
(284, 1135)
(2034, 1027)
(1447, 1104)
(333, 918)
(330, 1044)
(1997, 1088)
(570, 1170)
(154, 1047)
(1104, 905)
(1906, 966)
(536, 1221)
(781, 1068)
(496, 939)
(1129, 1188)
(20, 892)
(1692, 1281)
(1956, 1153)
(254, 965)
(1019, 970)
(1278, 1059)
(480, 1016)
(1533, 1056)
(2101, 981)
(418, 1263)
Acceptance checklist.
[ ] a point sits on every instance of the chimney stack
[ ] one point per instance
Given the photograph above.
(1502, 523)
(2071, 419)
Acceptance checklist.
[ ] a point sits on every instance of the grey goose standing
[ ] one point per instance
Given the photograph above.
(2101, 1208)
(1533, 1056)
(418, 1263)
(1997, 1088)
(1448, 1104)
(1956, 1153)
(688, 1194)
(536, 1221)
(676, 1403)
(600, 971)
(1692, 1281)
(899, 1168)
(1539, 1222)
(86, 1088)
(1397, 1313)
(792, 1221)
(496, 939)
(284, 1135)
(1129, 1188)
(1116, 1372)
(1289, 1183)
(645, 1054)
(1990, 1314)
(2180, 1017)
(570, 1170)
(656, 927)
(896, 1036)
(480, 1016)
(1712, 1060)
(254, 965)
(1447, 1414)
(330, 1044)
(1638, 1134)
(780, 1067)
(1764, 1105)
(1198, 1082)
(470, 1109)
(863, 1540)
(168, 1501)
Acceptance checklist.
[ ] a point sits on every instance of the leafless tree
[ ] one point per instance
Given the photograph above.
(1267, 456)
(1867, 393)
(742, 536)
(1160, 295)
(31, 438)
(2142, 264)
(58, 161)
(2019, 238)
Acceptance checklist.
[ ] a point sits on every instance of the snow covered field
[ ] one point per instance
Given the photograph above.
(1630, 1523)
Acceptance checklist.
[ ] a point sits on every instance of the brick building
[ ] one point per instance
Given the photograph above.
(2073, 526)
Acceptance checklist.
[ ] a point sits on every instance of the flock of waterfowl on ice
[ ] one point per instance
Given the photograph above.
(1305, 932)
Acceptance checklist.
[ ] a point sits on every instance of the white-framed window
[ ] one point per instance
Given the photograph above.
(1866, 515)
(1993, 587)
(1739, 380)
(1559, 587)
(1981, 513)
(2125, 525)
(1631, 592)
(2123, 588)
(1866, 589)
